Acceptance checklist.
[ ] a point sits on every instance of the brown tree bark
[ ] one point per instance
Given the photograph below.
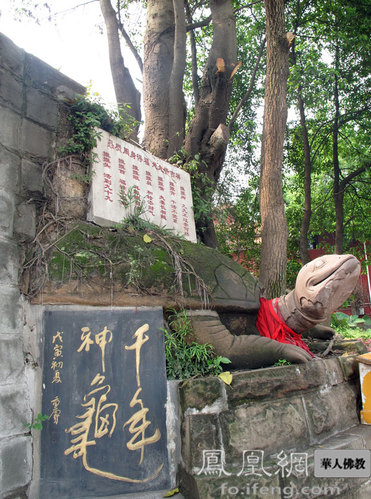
(158, 64)
(274, 224)
(303, 240)
(195, 82)
(125, 90)
(177, 108)
(216, 85)
(208, 135)
(163, 69)
(338, 192)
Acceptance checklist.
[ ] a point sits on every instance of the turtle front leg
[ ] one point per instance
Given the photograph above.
(246, 351)
(319, 332)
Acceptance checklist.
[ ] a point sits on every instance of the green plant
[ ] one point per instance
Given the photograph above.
(184, 357)
(348, 326)
(202, 186)
(38, 422)
(86, 114)
(135, 207)
(136, 264)
(282, 362)
(84, 178)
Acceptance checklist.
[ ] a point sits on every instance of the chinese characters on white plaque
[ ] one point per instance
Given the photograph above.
(163, 189)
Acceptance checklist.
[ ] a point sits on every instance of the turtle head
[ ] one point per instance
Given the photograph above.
(323, 284)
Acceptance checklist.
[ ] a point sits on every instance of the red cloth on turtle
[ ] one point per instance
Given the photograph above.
(271, 324)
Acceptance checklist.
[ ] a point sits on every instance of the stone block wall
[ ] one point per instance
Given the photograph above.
(32, 97)
(292, 409)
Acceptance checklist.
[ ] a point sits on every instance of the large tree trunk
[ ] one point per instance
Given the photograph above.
(307, 214)
(176, 97)
(304, 255)
(338, 192)
(125, 90)
(216, 86)
(274, 224)
(158, 65)
(208, 135)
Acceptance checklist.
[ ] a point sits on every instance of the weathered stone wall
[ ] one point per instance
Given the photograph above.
(31, 98)
(295, 408)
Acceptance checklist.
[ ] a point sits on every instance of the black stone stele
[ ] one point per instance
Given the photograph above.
(104, 387)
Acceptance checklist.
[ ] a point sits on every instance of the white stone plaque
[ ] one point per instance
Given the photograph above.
(164, 189)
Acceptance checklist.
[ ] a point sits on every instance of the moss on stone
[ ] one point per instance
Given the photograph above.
(165, 264)
(199, 393)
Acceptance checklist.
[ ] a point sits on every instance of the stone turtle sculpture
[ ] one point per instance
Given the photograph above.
(321, 287)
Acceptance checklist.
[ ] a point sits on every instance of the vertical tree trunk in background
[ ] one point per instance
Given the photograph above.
(164, 62)
(125, 90)
(338, 192)
(177, 110)
(196, 91)
(273, 219)
(208, 135)
(303, 240)
(304, 255)
(158, 65)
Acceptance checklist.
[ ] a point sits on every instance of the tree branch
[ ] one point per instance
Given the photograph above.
(199, 24)
(176, 96)
(346, 180)
(196, 90)
(250, 89)
(206, 21)
(247, 6)
(343, 119)
(130, 44)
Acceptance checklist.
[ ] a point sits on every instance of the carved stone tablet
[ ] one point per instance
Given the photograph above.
(162, 190)
(104, 387)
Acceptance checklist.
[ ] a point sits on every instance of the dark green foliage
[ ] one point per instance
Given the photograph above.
(38, 422)
(238, 226)
(351, 326)
(184, 357)
(202, 187)
(86, 114)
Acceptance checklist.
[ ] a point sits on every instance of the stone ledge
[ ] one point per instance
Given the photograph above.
(256, 385)
(200, 394)
(40, 75)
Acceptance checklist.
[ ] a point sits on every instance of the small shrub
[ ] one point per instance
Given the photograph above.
(348, 326)
(282, 362)
(186, 358)
(38, 422)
